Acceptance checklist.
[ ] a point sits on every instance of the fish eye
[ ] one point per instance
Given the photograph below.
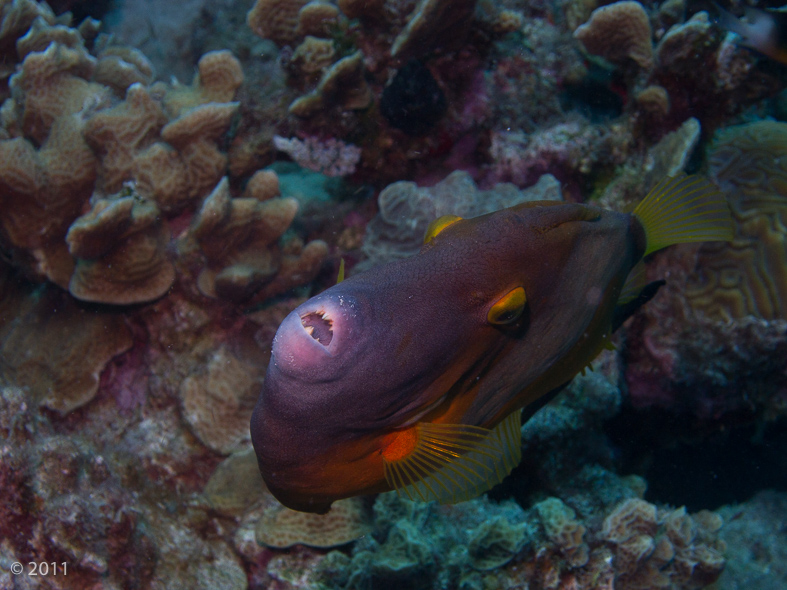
(508, 308)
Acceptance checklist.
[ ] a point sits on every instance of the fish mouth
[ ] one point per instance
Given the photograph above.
(318, 325)
(315, 333)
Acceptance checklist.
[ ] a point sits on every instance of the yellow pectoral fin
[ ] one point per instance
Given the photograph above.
(452, 462)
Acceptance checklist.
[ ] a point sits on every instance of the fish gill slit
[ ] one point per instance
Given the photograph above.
(319, 326)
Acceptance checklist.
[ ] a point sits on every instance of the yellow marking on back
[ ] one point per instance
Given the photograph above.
(439, 225)
(340, 276)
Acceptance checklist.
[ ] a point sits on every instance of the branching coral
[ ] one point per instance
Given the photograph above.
(656, 548)
(154, 153)
(120, 250)
(429, 25)
(619, 32)
(237, 237)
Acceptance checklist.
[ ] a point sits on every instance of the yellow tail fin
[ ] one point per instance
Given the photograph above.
(453, 462)
(684, 209)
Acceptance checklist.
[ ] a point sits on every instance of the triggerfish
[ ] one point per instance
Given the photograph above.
(411, 376)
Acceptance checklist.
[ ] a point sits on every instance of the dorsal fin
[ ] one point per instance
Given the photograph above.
(439, 225)
(452, 462)
(684, 209)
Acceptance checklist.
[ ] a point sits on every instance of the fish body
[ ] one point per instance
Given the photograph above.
(764, 31)
(391, 375)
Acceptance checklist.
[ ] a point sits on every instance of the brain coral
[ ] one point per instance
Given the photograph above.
(747, 276)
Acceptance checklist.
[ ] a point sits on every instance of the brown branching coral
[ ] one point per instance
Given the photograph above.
(120, 250)
(219, 75)
(118, 133)
(747, 276)
(42, 191)
(237, 238)
(317, 18)
(342, 85)
(120, 67)
(51, 84)
(276, 20)
(86, 136)
(619, 32)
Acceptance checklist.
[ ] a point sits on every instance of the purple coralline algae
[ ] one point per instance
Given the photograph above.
(176, 179)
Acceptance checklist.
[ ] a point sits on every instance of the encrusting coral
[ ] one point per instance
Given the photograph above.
(747, 276)
(217, 404)
(406, 210)
(281, 527)
(58, 366)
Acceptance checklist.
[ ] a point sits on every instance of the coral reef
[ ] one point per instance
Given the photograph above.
(134, 162)
(747, 277)
(406, 210)
(154, 233)
(619, 32)
(755, 538)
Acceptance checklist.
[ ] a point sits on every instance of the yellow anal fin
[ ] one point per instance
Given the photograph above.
(451, 463)
(636, 281)
(684, 209)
